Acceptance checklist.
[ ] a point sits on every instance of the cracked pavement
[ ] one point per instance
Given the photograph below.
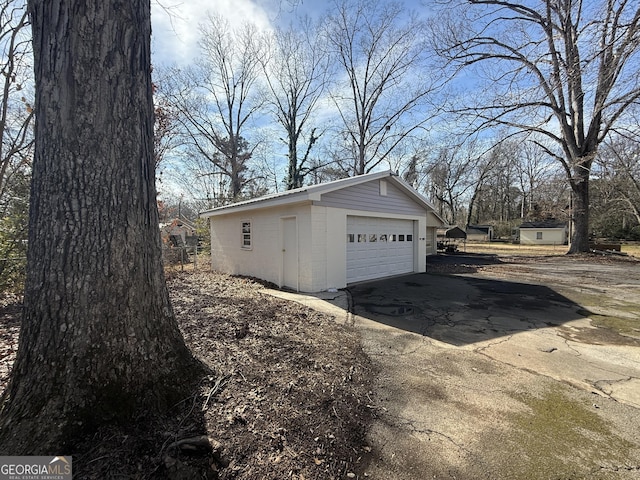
(499, 372)
(508, 369)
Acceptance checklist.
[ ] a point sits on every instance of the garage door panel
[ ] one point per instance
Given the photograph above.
(378, 247)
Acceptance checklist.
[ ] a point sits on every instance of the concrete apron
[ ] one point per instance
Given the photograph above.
(483, 379)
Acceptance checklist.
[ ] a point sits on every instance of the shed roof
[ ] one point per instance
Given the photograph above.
(544, 224)
(314, 192)
(455, 232)
(479, 229)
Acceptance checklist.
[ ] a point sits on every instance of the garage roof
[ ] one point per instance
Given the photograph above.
(314, 192)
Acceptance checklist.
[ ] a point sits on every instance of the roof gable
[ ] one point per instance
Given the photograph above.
(314, 193)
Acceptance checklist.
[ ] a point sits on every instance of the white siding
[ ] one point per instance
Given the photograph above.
(550, 236)
(367, 197)
(264, 259)
(335, 261)
(431, 240)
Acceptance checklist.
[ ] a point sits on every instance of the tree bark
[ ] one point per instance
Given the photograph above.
(99, 339)
(580, 212)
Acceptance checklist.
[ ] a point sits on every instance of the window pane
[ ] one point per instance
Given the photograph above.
(362, 237)
(409, 238)
(246, 235)
(401, 238)
(383, 237)
(351, 237)
(373, 237)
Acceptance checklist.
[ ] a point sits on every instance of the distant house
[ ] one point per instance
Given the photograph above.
(176, 232)
(479, 233)
(547, 232)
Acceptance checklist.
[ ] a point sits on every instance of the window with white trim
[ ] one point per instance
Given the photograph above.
(246, 235)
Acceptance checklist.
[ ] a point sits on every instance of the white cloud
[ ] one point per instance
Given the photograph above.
(176, 25)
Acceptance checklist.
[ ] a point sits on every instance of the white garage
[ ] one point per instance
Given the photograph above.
(328, 235)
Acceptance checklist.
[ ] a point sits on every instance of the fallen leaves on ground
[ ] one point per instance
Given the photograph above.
(286, 398)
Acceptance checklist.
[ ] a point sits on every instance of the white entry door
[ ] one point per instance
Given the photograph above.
(379, 247)
(289, 253)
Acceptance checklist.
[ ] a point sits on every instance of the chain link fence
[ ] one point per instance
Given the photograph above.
(189, 255)
(185, 253)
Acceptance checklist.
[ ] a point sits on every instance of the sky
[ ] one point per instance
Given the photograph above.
(176, 32)
(175, 23)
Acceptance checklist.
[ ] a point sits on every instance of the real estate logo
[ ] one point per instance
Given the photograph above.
(36, 468)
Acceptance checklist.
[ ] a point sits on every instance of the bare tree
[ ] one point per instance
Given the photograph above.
(16, 110)
(217, 99)
(450, 179)
(533, 167)
(488, 181)
(166, 130)
(385, 83)
(296, 74)
(99, 340)
(564, 69)
(620, 162)
(16, 139)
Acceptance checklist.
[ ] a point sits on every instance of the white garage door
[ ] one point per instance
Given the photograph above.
(378, 247)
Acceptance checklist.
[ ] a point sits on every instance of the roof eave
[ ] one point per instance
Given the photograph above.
(275, 202)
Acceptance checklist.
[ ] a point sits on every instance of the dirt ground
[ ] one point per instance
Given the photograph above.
(288, 398)
(319, 393)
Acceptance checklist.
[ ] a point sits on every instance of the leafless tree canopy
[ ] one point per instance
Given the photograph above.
(563, 69)
(16, 110)
(384, 83)
(215, 101)
(296, 74)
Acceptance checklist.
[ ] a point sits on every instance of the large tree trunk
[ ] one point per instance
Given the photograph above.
(98, 339)
(580, 212)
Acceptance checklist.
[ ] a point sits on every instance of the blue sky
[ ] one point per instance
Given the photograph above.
(176, 32)
(176, 23)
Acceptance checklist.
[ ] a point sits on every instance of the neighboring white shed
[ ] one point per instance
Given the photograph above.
(479, 233)
(548, 232)
(326, 236)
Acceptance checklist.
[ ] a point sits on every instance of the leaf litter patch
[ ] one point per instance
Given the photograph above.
(286, 396)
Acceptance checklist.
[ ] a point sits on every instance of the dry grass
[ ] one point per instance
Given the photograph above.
(631, 249)
(514, 249)
(532, 250)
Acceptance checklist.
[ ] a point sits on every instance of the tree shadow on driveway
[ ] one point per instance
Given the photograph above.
(461, 310)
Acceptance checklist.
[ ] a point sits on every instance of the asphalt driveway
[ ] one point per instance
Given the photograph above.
(461, 310)
(488, 373)
(503, 369)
